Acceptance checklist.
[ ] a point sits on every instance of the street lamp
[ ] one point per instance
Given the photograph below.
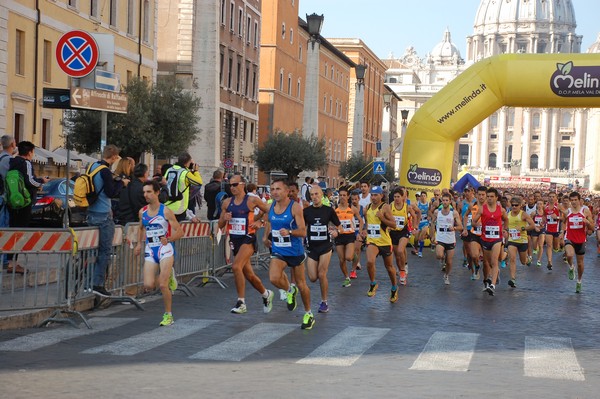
(310, 117)
(387, 100)
(360, 70)
(315, 23)
(404, 113)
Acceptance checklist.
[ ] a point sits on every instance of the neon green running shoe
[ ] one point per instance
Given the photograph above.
(578, 288)
(346, 283)
(167, 320)
(172, 280)
(308, 321)
(291, 298)
(372, 289)
(571, 273)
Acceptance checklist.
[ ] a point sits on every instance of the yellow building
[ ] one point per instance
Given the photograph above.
(28, 40)
(283, 63)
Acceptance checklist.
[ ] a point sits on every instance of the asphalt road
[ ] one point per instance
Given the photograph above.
(538, 340)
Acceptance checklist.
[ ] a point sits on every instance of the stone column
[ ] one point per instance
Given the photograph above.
(543, 159)
(501, 137)
(526, 139)
(359, 119)
(485, 134)
(310, 117)
(553, 137)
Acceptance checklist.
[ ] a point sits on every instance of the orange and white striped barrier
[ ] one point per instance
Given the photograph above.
(196, 229)
(27, 240)
(87, 238)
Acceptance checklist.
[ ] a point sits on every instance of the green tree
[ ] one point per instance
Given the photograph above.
(291, 154)
(358, 167)
(160, 118)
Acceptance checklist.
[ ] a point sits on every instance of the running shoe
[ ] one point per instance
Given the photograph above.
(172, 280)
(167, 320)
(323, 307)
(538, 263)
(268, 301)
(358, 266)
(420, 254)
(308, 321)
(353, 275)
(529, 260)
(432, 247)
(465, 263)
(372, 289)
(403, 276)
(473, 277)
(565, 258)
(503, 263)
(535, 251)
(549, 267)
(578, 288)
(346, 283)
(291, 298)
(283, 295)
(477, 273)
(239, 308)
(491, 289)
(486, 284)
(571, 273)
(446, 279)
(512, 283)
(394, 296)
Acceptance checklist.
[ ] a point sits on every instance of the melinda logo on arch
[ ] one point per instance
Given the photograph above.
(423, 176)
(572, 81)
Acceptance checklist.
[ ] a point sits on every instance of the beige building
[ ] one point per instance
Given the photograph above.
(28, 64)
(213, 48)
(373, 105)
(283, 67)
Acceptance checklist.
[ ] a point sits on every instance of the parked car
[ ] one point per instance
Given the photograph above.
(49, 207)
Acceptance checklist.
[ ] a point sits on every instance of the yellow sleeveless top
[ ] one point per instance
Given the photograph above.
(377, 232)
(400, 215)
(515, 223)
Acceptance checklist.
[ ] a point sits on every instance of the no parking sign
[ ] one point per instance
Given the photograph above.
(77, 53)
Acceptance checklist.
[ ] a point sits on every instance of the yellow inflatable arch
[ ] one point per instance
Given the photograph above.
(517, 80)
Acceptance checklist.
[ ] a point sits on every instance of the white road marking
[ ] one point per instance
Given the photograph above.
(152, 339)
(551, 357)
(42, 339)
(346, 347)
(246, 343)
(447, 351)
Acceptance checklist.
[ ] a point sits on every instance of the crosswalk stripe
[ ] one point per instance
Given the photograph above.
(39, 340)
(551, 357)
(246, 343)
(152, 339)
(447, 351)
(346, 347)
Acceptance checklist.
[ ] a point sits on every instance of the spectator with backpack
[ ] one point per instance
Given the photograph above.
(9, 147)
(99, 213)
(21, 186)
(179, 178)
(305, 189)
(215, 193)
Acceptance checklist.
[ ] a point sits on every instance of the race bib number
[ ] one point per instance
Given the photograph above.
(400, 221)
(576, 222)
(238, 226)
(318, 233)
(445, 228)
(514, 234)
(347, 226)
(281, 241)
(492, 231)
(374, 231)
(551, 220)
(424, 217)
(477, 230)
(154, 236)
(469, 218)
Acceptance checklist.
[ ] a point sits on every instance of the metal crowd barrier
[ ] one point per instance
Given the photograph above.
(59, 265)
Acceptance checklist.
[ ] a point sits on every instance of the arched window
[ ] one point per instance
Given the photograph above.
(492, 160)
(533, 162)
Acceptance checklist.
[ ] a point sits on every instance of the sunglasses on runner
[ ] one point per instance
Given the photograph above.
(235, 184)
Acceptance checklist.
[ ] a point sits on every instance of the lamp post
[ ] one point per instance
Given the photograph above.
(359, 109)
(404, 114)
(310, 116)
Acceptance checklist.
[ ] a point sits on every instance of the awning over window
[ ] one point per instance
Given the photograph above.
(56, 158)
(75, 156)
